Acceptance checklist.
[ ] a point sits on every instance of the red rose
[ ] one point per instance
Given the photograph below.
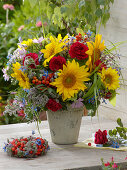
(56, 63)
(78, 50)
(31, 58)
(100, 64)
(53, 105)
(101, 137)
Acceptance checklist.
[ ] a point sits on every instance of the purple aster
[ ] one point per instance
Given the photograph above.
(78, 103)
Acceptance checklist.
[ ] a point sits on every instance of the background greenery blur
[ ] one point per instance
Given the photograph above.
(56, 16)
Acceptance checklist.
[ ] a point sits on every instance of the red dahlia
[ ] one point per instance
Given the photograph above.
(31, 58)
(53, 105)
(78, 50)
(56, 63)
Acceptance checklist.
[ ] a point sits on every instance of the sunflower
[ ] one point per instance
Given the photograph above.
(20, 76)
(71, 79)
(110, 78)
(56, 46)
(94, 52)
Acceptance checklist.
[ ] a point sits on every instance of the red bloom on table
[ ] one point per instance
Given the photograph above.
(114, 165)
(100, 64)
(101, 137)
(57, 63)
(53, 105)
(31, 59)
(107, 164)
(78, 50)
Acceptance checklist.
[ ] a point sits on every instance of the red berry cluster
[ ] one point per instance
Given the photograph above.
(27, 147)
(79, 37)
(45, 80)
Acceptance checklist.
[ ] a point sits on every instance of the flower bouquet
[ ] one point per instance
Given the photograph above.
(59, 74)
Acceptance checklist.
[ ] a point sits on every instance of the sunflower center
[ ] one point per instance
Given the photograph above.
(108, 79)
(69, 81)
(23, 78)
(96, 54)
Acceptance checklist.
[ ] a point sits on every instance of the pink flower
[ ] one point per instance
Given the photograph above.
(21, 113)
(114, 165)
(38, 40)
(11, 7)
(39, 24)
(21, 28)
(107, 164)
(8, 6)
(126, 158)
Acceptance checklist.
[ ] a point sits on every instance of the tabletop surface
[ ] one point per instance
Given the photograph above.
(59, 156)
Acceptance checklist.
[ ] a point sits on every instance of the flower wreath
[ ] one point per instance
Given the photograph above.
(26, 147)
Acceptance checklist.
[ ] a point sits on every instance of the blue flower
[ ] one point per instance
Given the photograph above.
(4, 148)
(33, 132)
(26, 90)
(9, 56)
(115, 145)
(89, 33)
(23, 101)
(91, 100)
(45, 74)
(23, 68)
(38, 142)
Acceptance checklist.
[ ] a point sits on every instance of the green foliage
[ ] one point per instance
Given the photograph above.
(119, 130)
(61, 16)
(7, 45)
(16, 5)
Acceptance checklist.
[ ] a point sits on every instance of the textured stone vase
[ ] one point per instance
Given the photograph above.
(65, 125)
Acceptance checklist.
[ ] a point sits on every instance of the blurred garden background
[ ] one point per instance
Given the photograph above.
(24, 19)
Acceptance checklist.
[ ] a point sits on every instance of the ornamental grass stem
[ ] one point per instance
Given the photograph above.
(41, 19)
(7, 13)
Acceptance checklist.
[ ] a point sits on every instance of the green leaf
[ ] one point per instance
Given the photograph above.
(32, 3)
(79, 30)
(101, 2)
(112, 100)
(81, 4)
(110, 132)
(63, 9)
(114, 132)
(98, 12)
(119, 122)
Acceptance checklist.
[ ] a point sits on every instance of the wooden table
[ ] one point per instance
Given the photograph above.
(59, 156)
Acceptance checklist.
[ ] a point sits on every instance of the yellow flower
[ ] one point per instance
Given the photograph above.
(94, 52)
(20, 76)
(0, 98)
(56, 46)
(71, 79)
(110, 78)
(28, 43)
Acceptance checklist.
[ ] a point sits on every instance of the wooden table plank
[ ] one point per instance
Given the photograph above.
(59, 156)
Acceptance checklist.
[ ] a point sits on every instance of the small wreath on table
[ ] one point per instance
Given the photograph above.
(28, 147)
